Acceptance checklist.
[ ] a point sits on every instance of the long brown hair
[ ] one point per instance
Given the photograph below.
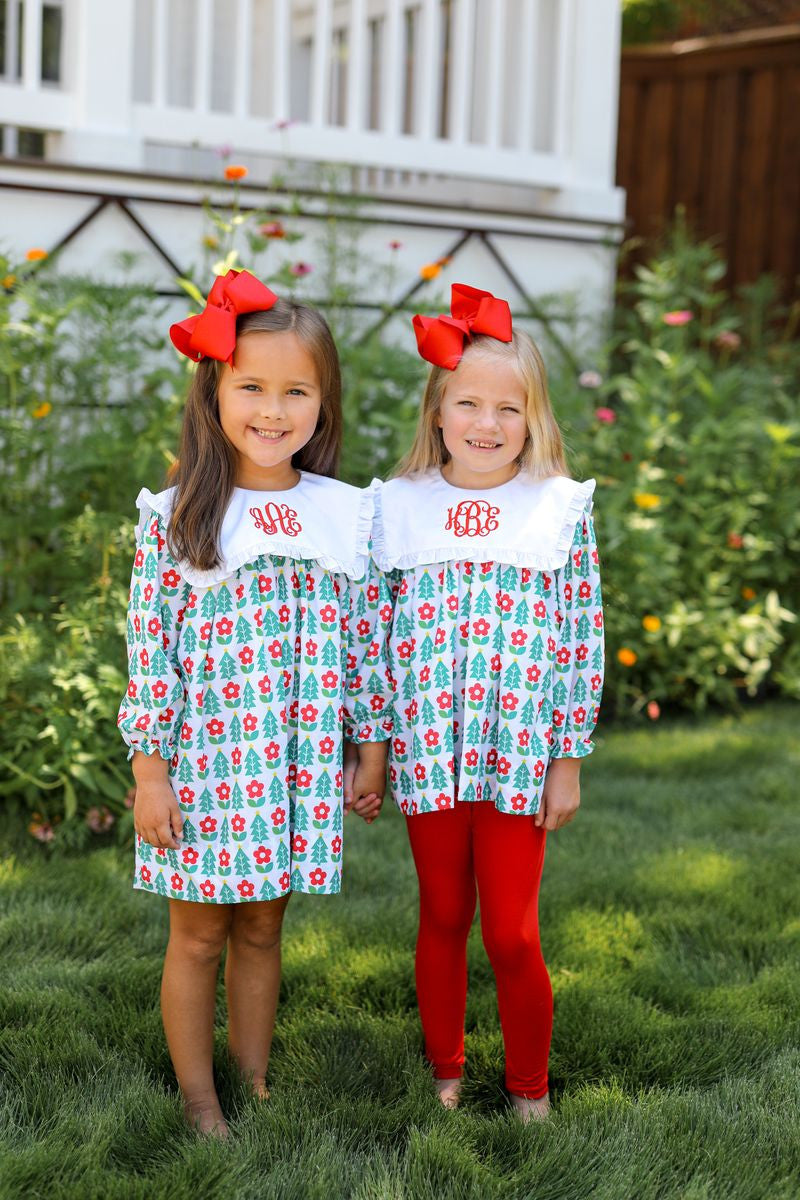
(205, 475)
(543, 453)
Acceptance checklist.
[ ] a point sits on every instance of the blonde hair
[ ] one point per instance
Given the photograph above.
(543, 453)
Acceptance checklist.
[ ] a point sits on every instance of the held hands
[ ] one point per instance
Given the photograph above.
(364, 772)
(156, 816)
(561, 796)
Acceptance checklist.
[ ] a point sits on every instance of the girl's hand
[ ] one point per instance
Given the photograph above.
(369, 781)
(156, 816)
(348, 774)
(561, 796)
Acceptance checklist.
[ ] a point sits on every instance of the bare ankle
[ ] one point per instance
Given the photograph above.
(205, 1115)
(449, 1091)
(528, 1109)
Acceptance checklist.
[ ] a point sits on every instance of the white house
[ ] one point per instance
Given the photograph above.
(477, 131)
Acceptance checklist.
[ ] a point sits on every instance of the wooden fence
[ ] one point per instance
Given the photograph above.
(714, 124)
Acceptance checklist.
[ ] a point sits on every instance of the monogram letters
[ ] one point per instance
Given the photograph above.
(473, 518)
(273, 518)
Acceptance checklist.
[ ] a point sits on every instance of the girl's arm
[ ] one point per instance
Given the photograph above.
(151, 712)
(579, 677)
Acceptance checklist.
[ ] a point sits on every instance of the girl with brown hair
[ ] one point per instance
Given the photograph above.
(256, 629)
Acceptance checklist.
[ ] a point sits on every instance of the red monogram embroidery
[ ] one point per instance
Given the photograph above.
(473, 518)
(273, 517)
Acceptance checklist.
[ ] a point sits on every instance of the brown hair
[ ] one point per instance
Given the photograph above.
(205, 474)
(543, 454)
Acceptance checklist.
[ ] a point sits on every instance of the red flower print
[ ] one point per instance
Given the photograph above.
(425, 674)
(274, 649)
(538, 768)
(582, 653)
(405, 649)
(246, 655)
(551, 645)
(278, 816)
(254, 789)
(299, 844)
(317, 877)
(144, 874)
(503, 766)
(208, 665)
(284, 881)
(480, 628)
(495, 664)
(208, 825)
(250, 723)
(509, 701)
(202, 762)
(264, 685)
(176, 883)
(504, 601)
(223, 791)
(558, 718)
(236, 756)
(224, 858)
(327, 614)
(518, 637)
(309, 713)
(190, 856)
(284, 614)
(336, 845)
(595, 681)
(207, 888)
(322, 811)
(471, 758)
(326, 746)
(362, 627)
(426, 612)
(144, 659)
(188, 665)
(563, 655)
(444, 700)
(245, 888)
(159, 689)
(533, 673)
(373, 591)
(579, 716)
(171, 578)
(491, 754)
(238, 823)
(539, 610)
(439, 637)
(477, 692)
(224, 627)
(264, 584)
(231, 691)
(452, 603)
(154, 626)
(132, 690)
(262, 855)
(376, 704)
(138, 560)
(566, 744)
(186, 795)
(329, 680)
(419, 772)
(524, 737)
(304, 779)
(585, 589)
(518, 802)
(598, 620)
(431, 737)
(567, 592)
(442, 800)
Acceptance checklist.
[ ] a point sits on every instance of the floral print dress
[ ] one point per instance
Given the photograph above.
(245, 678)
(497, 639)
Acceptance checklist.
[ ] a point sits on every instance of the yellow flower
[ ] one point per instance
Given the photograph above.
(646, 499)
(42, 410)
(627, 657)
(651, 624)
(9, 281)
(36, 254)
(211, 242)
(748, 593)
(430, 270)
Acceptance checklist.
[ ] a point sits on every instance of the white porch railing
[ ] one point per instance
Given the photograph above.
(520, 91)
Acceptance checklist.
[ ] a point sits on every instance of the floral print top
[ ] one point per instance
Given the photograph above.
(245, 678)
(497, 639)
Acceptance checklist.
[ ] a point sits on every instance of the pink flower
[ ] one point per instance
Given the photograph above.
(679, 316)
(606, 415)
(395, 245)
(300, 268)
(653, 710)
(727, 339)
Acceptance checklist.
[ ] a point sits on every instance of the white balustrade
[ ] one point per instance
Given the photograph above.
(502, 119)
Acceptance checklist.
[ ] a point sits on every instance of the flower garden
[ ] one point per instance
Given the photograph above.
(687, 415)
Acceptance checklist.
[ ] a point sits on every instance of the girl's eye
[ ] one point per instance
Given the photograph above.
(250, 387)
(469, 402)
(296, 392)
(509, 408)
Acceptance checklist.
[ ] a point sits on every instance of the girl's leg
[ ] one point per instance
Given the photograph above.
(441, 843)
(509, 855)
(252, 980)
(197, 934)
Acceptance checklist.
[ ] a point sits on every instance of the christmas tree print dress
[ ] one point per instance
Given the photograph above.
(497, 640)
(244, 677)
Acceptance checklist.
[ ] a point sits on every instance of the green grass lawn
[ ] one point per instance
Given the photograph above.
(671, 926)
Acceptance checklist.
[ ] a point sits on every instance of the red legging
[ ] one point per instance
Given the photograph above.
(503, 854)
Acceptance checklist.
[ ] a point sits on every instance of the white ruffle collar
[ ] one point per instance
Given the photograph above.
(320, 519)
(526, 522)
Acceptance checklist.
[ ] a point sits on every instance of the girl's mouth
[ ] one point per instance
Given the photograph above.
(480, 445)
(269, 435)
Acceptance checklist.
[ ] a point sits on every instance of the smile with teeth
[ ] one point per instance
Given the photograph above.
(269, 435)
(482, 445)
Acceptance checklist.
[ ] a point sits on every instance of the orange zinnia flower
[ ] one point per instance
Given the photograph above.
(627, 657)
(42, 410)
(35, 254)
(430, 270)
(235, 172)
(652, 624)
(9, 281)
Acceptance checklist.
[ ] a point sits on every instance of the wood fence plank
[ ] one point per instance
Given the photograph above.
(784, 248)
(655, 154)
(691, 146)
(754, 187)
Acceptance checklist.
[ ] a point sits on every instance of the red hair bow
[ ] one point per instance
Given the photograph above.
(440, 340)
(212, 334)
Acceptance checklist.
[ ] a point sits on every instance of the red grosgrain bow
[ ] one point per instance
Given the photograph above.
(440, 340)
(212, 334)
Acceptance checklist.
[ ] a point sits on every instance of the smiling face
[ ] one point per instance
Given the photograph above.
(483, 421)
(268, 407)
